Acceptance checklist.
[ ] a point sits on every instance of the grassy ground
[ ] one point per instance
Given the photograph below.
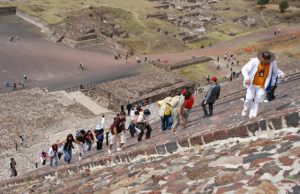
(7, 4)
(144, 36)
(211, 38)
(198, 72)
(289, 48)
(148, 39)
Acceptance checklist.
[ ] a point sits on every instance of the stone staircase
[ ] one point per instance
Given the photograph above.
(227, 123)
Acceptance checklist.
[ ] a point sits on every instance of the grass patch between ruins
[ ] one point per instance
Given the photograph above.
(7, 4)
(198, 72)
(145, 37)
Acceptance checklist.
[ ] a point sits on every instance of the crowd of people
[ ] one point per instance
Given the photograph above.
(260, 77)
(16, 85)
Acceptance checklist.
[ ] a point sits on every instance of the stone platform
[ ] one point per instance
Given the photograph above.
(150, 87)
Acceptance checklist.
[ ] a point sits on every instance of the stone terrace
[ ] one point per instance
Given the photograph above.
(146, 86)
(280, 113)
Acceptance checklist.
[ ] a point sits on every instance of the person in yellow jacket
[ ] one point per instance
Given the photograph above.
(165, 113)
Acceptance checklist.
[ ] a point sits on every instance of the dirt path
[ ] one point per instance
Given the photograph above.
(230, 46)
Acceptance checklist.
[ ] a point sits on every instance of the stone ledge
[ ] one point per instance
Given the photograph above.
(289, 119)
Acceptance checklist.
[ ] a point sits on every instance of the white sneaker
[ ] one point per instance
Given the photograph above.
(251, 116)
(244, 113)
(109, 151)
(119, 149)
(80, 158)
(242, 99)
(266, 100)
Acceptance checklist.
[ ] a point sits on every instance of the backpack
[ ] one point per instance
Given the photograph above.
(167, 110)
(147, 112)
(174, 101)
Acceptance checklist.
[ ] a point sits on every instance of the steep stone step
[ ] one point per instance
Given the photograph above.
(289, 118)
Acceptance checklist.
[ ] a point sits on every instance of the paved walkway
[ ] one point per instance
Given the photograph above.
(88, 103)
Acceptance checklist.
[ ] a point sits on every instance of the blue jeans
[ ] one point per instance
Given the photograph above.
(68, 155)
(166, 122)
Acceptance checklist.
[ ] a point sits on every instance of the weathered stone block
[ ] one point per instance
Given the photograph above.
(208, 138)
(259, 161)
(253, 157)
(117, 159)
(240, 131)
(135, 153)
(219, 135)
(263, 125)
(270, 167)
(123, 157)
(277, 123)
(171, 147)
(183, 142)
(196, 140)
(286, 161)
(292, 120)
(150, 150)
(285, 147)
(161, 149)
(253, 127)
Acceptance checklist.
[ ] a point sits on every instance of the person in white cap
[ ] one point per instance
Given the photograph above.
(99, 134)
(258, 74)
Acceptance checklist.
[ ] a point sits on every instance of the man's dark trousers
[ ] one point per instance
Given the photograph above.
(210, 108)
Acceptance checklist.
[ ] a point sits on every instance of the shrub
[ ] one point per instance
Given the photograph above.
(283, 5)
(262, 2)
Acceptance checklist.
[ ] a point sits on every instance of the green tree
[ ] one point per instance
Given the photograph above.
(262, 2)
(283, 5)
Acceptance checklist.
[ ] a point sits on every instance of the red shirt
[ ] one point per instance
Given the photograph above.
(188, 103)
(119, 124)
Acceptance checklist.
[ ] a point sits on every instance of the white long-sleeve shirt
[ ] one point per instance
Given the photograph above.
(102, 123)
(250, 69)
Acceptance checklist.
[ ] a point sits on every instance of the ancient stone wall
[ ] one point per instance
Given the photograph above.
(150, 87)
(35, 21)
(8, 10)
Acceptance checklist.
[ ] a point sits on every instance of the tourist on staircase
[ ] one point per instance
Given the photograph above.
(80, 137)
(60, 150)
(53, 155)
(99, 134)
(132, 126)
(165, 113)
(13, 169)
(213, 94)
(68, 146)
(142, 123)
(177, 105)
(89, 140)
(117, 131)
(129, 107)
(43, 157)
(188, 105)
(258, 74)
